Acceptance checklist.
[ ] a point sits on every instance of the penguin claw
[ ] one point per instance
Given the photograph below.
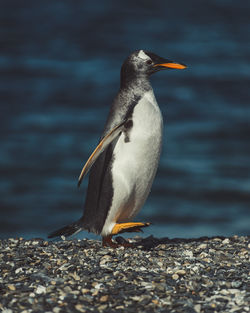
(108, 242)
(120, 242)
(123, 242)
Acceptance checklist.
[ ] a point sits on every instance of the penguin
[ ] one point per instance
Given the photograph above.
(124, 163)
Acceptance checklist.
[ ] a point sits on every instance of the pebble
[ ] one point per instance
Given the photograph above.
(197, 308)
(158, 275)
(18, 270)
(236, 284)
(175, 276)
(5, 310)
(202, 246)
(40, 289)
(188, 253)
(80, 308)
(104, 298)
(180, 272)
(11, 287)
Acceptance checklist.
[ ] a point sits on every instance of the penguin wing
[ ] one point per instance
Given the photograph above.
(103, 144)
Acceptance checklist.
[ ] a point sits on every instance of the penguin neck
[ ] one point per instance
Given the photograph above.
(135, 83)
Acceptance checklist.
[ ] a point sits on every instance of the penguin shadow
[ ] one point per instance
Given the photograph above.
(151, 242)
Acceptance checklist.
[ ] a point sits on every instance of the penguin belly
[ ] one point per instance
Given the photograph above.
(135, 161)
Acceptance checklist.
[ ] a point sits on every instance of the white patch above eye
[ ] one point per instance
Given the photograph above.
(142, 55)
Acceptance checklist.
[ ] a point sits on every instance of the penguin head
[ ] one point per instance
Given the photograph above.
(142, 63)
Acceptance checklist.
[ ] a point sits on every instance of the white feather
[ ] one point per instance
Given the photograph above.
(135, 162)
(143, 55)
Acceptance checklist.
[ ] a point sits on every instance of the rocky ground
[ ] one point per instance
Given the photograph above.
(158, 275)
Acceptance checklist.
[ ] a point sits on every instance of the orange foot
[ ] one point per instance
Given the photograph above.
(128, 227)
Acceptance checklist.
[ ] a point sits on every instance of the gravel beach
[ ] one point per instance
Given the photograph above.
(157, 275)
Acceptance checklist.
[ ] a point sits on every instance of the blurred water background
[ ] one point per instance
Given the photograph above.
(60, 63)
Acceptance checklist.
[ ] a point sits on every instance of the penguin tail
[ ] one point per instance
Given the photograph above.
(68, 230)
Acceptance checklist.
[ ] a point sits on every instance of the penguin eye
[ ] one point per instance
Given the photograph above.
(149, 62)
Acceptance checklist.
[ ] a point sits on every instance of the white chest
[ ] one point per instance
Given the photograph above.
(144, 139)
(147, 121)
(135, 162)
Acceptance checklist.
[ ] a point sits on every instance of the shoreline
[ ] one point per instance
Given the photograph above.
(158, 275)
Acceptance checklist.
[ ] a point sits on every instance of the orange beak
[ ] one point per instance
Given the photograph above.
(172, 65)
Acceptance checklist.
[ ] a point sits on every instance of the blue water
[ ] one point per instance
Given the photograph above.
(59, 70)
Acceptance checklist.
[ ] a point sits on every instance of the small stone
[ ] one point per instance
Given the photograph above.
(75, 276)
(104, 298)
(226, 241)
(11, 287)
(40, 289)
(180, 272)
(202, 246)
(212, 250)
(234, 291)
(104, 306)
(97, 285)
(197, 308)
(136, 298)
(80, 308)
(236, 284)
(207, 260)
(188, 253)
(155, 301)
(18, 270)
(175, 276)
(224, 292)
(147, 285)
(216, 239)
(5, 310)
(67, 289)
(160, 287)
